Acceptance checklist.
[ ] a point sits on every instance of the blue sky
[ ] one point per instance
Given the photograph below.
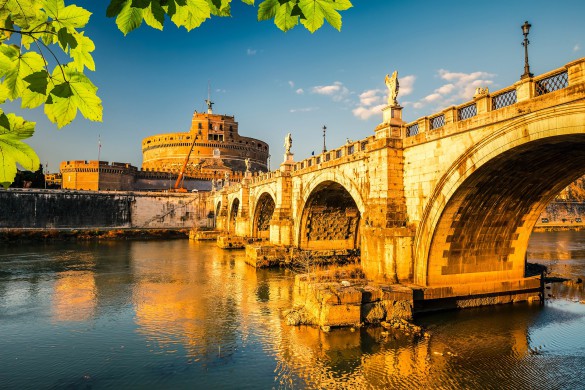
(274, 82)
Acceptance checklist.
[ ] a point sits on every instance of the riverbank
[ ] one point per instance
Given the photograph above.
(9, 236)
(558, 227)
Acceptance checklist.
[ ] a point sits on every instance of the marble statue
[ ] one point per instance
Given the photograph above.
(392, 84)
(288, 143)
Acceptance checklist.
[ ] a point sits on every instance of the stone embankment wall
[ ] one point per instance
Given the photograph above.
(58, 209)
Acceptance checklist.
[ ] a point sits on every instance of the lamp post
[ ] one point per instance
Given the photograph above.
(324, 147)
(525, 30)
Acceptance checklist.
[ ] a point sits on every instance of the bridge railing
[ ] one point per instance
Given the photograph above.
(334, 156)
(484, 102)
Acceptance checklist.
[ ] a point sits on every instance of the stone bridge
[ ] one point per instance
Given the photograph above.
(447, 202)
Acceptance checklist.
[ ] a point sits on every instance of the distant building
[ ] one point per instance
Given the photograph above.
(105, 176)
(97, 175)
(53, 180)
(217, 150)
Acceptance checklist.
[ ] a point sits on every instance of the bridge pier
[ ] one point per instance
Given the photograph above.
(387, 254)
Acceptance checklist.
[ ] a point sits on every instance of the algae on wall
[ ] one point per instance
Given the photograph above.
(57, 209)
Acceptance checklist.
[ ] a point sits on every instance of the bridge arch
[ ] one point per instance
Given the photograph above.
(264, 208)
(216, 211)
(326, 176)
(330, 219)
(476, 225)
(233, 214)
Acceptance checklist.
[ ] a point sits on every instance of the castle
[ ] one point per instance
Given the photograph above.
(215, 148)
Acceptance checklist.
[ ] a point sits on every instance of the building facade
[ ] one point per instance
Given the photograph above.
(217, 149)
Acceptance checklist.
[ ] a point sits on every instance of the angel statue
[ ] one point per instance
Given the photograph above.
(247, 162)
(392, 84)
(287, 143)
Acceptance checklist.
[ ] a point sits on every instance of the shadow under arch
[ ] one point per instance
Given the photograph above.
(262, 216)
(233, 214)
(330, 219)
(477, 224)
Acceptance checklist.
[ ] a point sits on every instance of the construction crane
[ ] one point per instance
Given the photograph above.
(178, 187)
(178, 184)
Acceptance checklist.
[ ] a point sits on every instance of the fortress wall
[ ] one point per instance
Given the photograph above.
(47, 209)
(63, 209)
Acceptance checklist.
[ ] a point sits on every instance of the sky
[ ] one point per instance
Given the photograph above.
(274, 83)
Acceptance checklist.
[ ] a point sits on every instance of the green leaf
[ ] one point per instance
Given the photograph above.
(140, 3)
(283, 19)
(154, 16)
(24, 13)
(249, 2)
(3, 93)
(16, 126)
(115, 7)
(129, 18)
(23, 66)
(8, 55)
(220, 7)
(81, 53)
(316, 11)
(342, 5)
(36, 92)
(77, 92)
(12, 150)
(267, 9)
(192, 14)
(52, 7)
(38, 81)
(65, 38)
(72, 16)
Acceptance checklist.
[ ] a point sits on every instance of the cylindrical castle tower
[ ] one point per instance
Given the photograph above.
(218, 149)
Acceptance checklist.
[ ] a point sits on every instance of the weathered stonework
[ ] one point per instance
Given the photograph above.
(446, 202)
(46, 209)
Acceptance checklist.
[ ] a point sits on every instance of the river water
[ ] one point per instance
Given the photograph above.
(179, 314)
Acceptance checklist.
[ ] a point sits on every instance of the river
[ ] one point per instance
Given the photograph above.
(179, 314)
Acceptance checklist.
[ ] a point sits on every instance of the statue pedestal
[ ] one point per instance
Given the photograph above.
(391, 124)
(392, 115)
(289, 161)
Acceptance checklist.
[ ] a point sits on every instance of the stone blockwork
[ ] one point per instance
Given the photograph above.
(447, 200)
(351, 303)
(48, 209)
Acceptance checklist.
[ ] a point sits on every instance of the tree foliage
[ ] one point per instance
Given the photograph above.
(44, 53)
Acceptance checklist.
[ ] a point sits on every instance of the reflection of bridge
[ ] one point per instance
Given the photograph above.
(449, 200)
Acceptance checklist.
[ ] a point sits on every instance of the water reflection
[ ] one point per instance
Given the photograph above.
(74, 296)
(177, 314)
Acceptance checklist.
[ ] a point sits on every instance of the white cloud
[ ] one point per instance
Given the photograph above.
(337, 91)
(304, 109)
(406, 85)
(372, 96)
(300, 91)
(460, 87)
(367, 112)
(446, 89)
(576, 47)
(251, 52)
(291, 83)
(371, 103)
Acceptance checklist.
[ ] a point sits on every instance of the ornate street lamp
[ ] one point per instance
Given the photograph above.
(525, 30)
(324, 147)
